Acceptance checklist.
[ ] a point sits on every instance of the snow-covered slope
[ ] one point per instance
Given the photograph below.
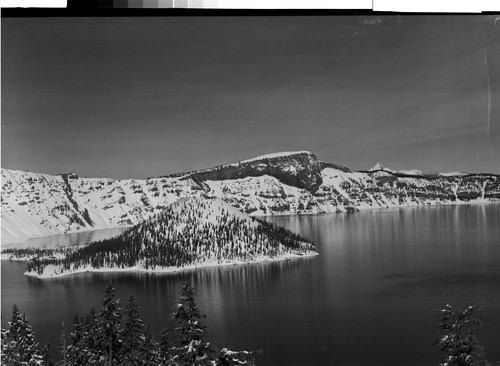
(190, 233)
(285, 183)
(274, 155)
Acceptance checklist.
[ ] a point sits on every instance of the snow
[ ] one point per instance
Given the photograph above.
(376, 167)
(35, 205)
(195, 214)
(452, 174)
(411, 172)
(52, 271)
(379, 166)
(210, 212)
(274, 155)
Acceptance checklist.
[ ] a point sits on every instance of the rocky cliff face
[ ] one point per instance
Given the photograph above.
(299, 169)
(286, 183)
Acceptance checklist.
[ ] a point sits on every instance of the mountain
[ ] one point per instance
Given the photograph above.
(285, 183)
(300, 169)
(379, 166)
(190, 233)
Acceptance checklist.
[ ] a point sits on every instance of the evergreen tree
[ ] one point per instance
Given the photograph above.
(457, 337)
(83, 349)
(109, 341)
(10, 353)
(165, 345)
(192, 347)
(148, 350)
(18, 343)
(90, 332)
(63, 346)
(101, 339)
(73, 355)
(132, 334)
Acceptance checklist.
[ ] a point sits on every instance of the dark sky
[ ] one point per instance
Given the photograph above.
(139, 97)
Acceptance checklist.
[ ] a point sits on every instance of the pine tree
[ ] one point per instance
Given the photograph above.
(18, 343)
(73, 355)
(29, 347)
(90, 331)
(63, 346)
(165, 344)
(148, 351)
(109, 330)
(192, 347)
(10, 353)
(83, 349)
(458, 337)
(132, 334)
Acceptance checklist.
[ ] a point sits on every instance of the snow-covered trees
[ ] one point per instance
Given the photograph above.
(133, 338)
(457, 337)
(18, 342)
(118, 337)
(83, 347)
(109, 340)
(191, 346)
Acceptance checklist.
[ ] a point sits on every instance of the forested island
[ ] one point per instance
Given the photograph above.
(188, 234)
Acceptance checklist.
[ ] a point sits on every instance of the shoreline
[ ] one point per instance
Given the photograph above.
(164, 270)
(481, 201)
(13, 243)
(367, 208)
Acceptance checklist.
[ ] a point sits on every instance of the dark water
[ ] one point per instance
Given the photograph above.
(370, 298)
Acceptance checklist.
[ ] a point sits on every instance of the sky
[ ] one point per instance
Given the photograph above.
(148, 96)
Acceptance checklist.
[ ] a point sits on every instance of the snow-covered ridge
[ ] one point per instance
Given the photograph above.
(39, 204)
(452, 174)
(274, 155)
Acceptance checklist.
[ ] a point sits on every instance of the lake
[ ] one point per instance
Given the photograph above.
(369, 298)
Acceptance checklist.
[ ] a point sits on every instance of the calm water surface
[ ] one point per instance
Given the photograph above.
(369, 298)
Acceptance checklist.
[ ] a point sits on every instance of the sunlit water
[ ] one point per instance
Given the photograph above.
(369, 298)
(78, 238)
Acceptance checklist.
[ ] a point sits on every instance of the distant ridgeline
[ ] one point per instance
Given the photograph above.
(188, 234)
(284, 183)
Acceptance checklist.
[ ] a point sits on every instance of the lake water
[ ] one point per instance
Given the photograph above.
(369, 298)
(71, 239)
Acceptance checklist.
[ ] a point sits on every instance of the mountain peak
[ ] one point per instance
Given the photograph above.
(378, 166)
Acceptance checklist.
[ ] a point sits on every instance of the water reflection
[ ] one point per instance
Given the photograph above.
(379, 272)
(79, 238)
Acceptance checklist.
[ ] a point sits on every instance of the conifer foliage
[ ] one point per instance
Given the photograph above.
(116, 336)
(191, 346)
(134, 339)
(18, 342)
(458, 339)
